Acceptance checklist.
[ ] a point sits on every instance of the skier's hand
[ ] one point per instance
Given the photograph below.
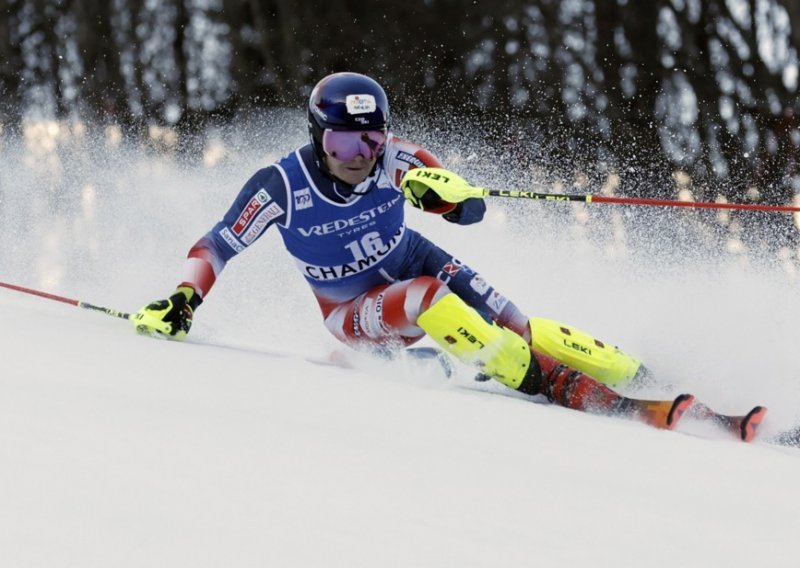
(170, 318)
(467, 212)
(437, 190)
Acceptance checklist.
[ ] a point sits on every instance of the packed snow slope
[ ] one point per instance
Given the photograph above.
(235, 449)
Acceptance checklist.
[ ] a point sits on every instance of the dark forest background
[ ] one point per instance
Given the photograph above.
(640, 87)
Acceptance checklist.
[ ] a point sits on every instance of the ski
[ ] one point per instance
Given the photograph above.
(432, 354)
(425, 357)
(421, 358)
(744, 427)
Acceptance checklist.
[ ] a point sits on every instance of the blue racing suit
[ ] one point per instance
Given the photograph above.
(345, 241)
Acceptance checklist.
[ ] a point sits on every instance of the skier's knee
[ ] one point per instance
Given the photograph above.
(386, 313)
(463, 332)
(424, 292)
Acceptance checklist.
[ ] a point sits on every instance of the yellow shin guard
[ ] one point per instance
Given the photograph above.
(462, 332)
(583, 352)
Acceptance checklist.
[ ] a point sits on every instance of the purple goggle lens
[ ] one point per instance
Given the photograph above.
(345, 145)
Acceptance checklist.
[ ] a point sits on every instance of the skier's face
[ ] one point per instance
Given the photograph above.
(353, 172)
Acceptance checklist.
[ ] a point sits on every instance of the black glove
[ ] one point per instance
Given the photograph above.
(467, 212)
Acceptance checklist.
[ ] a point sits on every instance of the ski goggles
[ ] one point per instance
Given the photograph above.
(346, 145)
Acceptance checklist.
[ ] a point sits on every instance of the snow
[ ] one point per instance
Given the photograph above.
(126, 451)
(235, 449)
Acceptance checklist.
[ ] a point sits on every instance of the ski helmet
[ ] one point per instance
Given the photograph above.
(346, 101)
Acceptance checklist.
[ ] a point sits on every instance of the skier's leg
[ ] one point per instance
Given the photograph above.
(464, 333)
(385, 315)
(401, 313)
(573, 389)
(507, 357)
(578, 349)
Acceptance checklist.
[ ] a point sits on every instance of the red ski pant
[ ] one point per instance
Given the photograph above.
(388, 313)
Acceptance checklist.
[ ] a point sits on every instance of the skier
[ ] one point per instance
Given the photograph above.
(338, 204)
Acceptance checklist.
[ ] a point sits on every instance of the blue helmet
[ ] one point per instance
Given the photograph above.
(346, 101)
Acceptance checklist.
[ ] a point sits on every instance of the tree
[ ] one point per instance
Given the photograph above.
(636, 88)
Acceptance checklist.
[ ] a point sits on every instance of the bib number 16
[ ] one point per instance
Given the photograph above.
(368, 245)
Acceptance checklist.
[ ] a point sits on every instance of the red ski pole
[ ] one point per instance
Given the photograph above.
(84, 305)
(418, 180)
(637, 201)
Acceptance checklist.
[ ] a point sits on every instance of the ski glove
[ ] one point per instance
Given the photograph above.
(467, 212)
(437, 190)
(170, 318)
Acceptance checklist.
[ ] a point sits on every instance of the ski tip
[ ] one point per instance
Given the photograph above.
(681, 405)
(751, 422)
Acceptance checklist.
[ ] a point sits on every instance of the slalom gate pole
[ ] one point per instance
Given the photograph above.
(84, 305)
(635, 201)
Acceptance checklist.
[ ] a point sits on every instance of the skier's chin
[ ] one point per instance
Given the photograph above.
(352, 173)
(355, 176)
